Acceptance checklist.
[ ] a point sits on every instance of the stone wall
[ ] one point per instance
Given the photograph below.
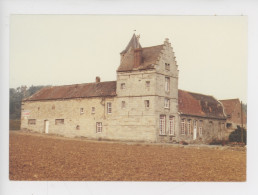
(136, 123)
(211, 129)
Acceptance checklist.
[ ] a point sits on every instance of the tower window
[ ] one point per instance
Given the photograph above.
(167, 84)
(147, 84)
(167, 66)
(122, 85)
(166, 103)
(162, 125)
(147, 103)
(123, 104)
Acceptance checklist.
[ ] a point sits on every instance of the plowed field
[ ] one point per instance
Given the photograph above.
(42, 157)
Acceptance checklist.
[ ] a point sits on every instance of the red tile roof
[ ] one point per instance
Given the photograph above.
(100, 89)
(199, 105)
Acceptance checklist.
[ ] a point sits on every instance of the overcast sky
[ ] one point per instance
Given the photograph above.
(211, 51)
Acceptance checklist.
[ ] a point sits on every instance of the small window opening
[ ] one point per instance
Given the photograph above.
(81, 111)
(123, 104)
(147, 103)
(122, 85)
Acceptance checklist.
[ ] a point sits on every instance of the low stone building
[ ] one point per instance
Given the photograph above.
(143, 104)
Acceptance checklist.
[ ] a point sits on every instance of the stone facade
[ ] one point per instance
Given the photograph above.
(141, 105)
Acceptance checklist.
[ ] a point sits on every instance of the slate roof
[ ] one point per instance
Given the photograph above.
(101, 89)
(149, 58)
(199, 105)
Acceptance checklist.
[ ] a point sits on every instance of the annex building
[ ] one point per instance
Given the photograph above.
(143, 104)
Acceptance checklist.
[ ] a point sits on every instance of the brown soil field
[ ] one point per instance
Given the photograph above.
(44, 157)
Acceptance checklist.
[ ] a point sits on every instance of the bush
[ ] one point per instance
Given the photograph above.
(183, 142)
(236, 136)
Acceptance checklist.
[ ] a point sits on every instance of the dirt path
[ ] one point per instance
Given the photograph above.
(41, 157)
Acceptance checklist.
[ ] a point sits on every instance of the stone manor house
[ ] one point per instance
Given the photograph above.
(143, 104)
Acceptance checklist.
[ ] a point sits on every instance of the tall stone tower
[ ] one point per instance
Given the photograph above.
(147, 87)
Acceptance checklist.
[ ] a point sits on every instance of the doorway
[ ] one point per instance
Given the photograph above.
(46, 126)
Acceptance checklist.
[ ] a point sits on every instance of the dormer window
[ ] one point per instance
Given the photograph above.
(122, 86)
(167, 66)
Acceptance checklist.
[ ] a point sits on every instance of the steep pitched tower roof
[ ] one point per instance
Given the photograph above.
(134, 57)
(133, 43)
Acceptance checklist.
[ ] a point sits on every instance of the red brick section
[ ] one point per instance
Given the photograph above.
(137, 57)
(233, 109)
(199, 105)
(75, 91)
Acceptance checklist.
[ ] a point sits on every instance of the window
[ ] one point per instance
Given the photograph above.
(167, 84)
(59, 121)
(147, 84)
(162, 124)
(78, 127)
(183, 126)
(171, 125)
(98, 127)
(200, 131)
(229, 125)
(32, 122)
(81, 111)
(109, 108)
(123, 104)
(195, 124)
(200, 128)
(167, 66)
(122, 85)
(166, 103)
(92, 110)
(147, 103)
(189, 127)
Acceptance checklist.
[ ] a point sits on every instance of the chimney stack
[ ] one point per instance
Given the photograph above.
(97, 79)
(137, 57)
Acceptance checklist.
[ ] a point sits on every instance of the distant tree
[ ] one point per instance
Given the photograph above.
(16, 96)
(244, 107)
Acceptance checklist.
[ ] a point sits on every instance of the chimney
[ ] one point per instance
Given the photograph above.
(137, 57)
(97, 79)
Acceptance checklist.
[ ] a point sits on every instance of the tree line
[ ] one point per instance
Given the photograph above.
(16, 97)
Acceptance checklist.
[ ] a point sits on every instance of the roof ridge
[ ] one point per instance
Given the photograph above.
(80, 84)
(196, 93)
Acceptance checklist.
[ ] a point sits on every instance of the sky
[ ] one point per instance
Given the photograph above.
(211, 51)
